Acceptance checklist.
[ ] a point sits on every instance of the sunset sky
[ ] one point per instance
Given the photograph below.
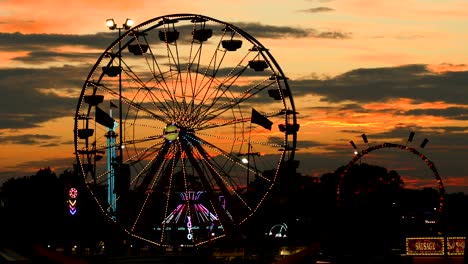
(383, 68)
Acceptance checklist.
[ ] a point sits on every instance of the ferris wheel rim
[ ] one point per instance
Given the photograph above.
(197, 143)
(412, 150)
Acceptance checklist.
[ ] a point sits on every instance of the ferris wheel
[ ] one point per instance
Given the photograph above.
(182, 128)
(412, 150)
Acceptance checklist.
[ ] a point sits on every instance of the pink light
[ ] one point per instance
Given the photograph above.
(73, 193)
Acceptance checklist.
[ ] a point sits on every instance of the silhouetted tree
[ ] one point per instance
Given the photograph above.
(33, 208)
(35, 211)
(364, 216)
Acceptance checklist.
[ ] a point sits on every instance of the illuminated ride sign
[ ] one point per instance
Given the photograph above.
(278, 231)
(196, 216)
(435, 245)
(189, 228)
(72, 195)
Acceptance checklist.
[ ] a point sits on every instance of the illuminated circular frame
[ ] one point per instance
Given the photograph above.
(366, 151)
(73, 193)
(187, 85)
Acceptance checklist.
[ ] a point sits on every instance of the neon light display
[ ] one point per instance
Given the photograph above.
(189, 228)
(456, 245)
(191, 215)
(435, 245)
(190, 206)
(111, 155)
(278, 231)
(72, 195)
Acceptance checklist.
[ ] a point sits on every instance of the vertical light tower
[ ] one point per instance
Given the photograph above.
(111, 145)
(111, 154)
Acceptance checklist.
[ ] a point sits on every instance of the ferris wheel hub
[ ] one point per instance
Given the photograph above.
(171, 132)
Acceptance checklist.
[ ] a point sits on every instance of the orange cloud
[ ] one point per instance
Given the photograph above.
(445, 67)
(7, 57)
(392, 58)
(81, 17)
(407, 104)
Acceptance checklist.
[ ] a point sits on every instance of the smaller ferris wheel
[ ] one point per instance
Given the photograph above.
(359, 154)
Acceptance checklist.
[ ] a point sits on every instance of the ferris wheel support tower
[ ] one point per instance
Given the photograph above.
(111, 155)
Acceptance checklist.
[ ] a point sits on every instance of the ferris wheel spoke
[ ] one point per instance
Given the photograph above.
(216, 93)
(130, 103)
(232, 192)
(149, 58)
(160, 79)
(232, 157)
(196, 78)
(146, 139)
(200, 86)
(230, 78)
(174, 69)
(142, 154)
(211, 91)
(207, 126)
(142, 87)
(211, 114)
(154, 166)
(161, 177)
(219, 210)
(250, 92)
(234, 189)
(150, 99)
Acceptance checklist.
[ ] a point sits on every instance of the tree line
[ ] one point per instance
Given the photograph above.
(375, 208)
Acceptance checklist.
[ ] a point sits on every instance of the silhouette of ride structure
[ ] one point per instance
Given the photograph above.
(206, 125)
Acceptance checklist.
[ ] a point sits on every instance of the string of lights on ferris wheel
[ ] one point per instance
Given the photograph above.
(359, 154)
(182, 124)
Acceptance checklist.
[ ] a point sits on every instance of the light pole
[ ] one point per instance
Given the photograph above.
(245, 158)
(112, 26)
(112, 159)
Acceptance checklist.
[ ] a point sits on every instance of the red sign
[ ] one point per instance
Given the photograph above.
(455, 245)
(425, 246)
(435, 245)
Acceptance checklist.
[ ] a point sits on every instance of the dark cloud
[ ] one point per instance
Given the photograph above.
(457, 113)
(39, 47)
(29, 139)
(452, 137)
(23, 104)
(30, 168)
(269, 31)
(39, 57)
(409, 37)
(380, 84)
(446, 149)
(307, 144)
(333, 35)
(25, 100)
(317, 9)
(39, 42)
